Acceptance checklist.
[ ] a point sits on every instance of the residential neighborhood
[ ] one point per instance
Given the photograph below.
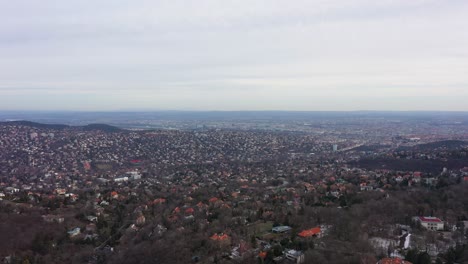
(232, 196)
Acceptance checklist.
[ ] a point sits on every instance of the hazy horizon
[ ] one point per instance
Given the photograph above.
(58, 111)
(207, 55)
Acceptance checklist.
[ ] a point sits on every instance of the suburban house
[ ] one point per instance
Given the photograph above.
(430, 222)
(92, 218)
(281, 229)
(222, 238)
(74, 232)
(294, 255)
(316, 231)
(53, 218)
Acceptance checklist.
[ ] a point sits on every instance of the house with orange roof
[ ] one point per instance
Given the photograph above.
(313, 232)
(159, 201)
(221, 237)
(114, 195)
(262, 254)
(201, 205)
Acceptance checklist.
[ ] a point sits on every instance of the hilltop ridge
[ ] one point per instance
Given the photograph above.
(88, 127)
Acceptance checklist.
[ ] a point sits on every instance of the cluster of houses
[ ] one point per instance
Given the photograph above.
(191, 179)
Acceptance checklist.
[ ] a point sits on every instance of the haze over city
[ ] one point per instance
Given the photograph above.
(234, 131)
(234, 55)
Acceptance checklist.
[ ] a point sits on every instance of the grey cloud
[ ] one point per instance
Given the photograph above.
(222, 49)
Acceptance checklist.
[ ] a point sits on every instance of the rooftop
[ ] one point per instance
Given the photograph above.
(430, 219)
(310, 232)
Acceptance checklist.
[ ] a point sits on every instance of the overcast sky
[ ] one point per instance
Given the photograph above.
(234, 55)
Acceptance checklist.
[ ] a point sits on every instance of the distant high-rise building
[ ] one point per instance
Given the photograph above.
(335, 147)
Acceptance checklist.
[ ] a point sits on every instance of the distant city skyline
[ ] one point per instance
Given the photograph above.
(115, 55)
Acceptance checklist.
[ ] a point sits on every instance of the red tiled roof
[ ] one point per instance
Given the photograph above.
(200, 205)
(219, 237)
(310, 232)
(159, 201)
(431, 220)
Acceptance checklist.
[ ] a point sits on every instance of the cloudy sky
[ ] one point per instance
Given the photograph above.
(234, 55)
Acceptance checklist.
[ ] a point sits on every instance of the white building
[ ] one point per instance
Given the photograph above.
(281, 229)
(430, 222)
(134, 175)
(294, 255)
(121, 179)
(74, 232)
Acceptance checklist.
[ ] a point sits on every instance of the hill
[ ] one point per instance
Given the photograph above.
(90, 127)
(34, 124)
(102, 127)
(427, 166)
(445, 144)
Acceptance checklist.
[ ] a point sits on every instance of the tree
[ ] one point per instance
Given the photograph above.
(424, 258)
(412, 255)
(253, 241)
(41, 243)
